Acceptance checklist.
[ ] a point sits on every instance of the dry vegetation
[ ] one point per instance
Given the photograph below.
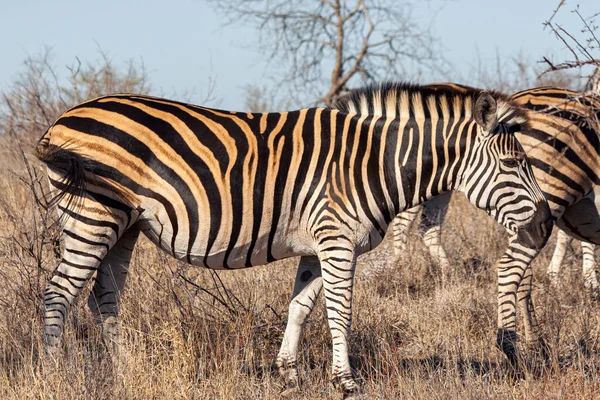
(411, 337)
(193, 333)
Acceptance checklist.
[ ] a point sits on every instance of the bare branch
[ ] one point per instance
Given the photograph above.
(560, 4)
(329, 46)
(581, 49)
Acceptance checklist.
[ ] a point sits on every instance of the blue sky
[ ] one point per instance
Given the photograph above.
(183, 43)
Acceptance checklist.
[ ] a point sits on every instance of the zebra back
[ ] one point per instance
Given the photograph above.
(563, 142)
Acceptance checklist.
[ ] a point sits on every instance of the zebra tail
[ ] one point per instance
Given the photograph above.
(70, 165)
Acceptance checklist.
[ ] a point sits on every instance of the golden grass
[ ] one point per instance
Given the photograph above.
(411, 337)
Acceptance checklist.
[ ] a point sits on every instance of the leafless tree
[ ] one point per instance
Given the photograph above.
(264, 99)
(328, 46)
(583, 46)
(519, 72)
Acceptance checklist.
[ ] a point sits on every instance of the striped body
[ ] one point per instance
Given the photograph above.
(563, 144)
(203, 195)
(230, 190)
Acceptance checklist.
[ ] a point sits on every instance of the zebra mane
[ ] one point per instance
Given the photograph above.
(384, 99)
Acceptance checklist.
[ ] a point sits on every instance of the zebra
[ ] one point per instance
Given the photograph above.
(433, 214)
(563, 143)
(318, 183)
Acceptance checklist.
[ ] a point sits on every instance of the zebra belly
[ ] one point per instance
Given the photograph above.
(221, 255)
(582, 219)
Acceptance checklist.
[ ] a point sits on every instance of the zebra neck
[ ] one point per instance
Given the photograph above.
(426, 157)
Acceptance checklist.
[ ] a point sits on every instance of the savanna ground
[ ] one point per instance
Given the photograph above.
(193, 333)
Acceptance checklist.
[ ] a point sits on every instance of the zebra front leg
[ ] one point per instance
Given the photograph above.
(307, 288)
(590, 279)
(562, 240)
(511, 271)
(104, 299)
(535, 341)
(433, 241)
(338, 263)
(400, 226)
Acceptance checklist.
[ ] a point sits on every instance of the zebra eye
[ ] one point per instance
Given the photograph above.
(510, 162)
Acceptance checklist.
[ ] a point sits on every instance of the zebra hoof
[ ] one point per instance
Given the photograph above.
(289, 372)
(52, 348)
(353, 396)
(540, 350)
(52, 354)
(50, 360)
(538, 358)
(347, 385)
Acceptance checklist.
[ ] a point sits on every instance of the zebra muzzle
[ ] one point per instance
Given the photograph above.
(536, 232)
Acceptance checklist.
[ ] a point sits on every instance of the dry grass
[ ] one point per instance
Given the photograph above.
(411, 338)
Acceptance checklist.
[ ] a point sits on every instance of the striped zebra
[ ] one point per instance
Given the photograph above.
(563, 143)
(229, 190)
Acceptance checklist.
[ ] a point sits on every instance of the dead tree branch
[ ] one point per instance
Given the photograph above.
(583, 50)
(325, 47)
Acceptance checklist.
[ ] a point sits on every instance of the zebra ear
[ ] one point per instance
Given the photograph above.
(485, 112)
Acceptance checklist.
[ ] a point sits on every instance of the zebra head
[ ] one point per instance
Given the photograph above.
(498, 177)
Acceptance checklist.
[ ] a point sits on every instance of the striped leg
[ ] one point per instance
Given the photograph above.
(104, 299)
(562, 241)
(534, 340)
(83, 252)
(432, 237)
(338, 263)
(590, 279)
(307, 288)
(400, 227)
(512, 269)
(434, 214)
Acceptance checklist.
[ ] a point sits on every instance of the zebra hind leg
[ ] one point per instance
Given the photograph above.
(104, 299)
(400, 227)
(430, 228)
(432, 238)
(590, 278)
(307, 288)
(338, 263)
(83, 253)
